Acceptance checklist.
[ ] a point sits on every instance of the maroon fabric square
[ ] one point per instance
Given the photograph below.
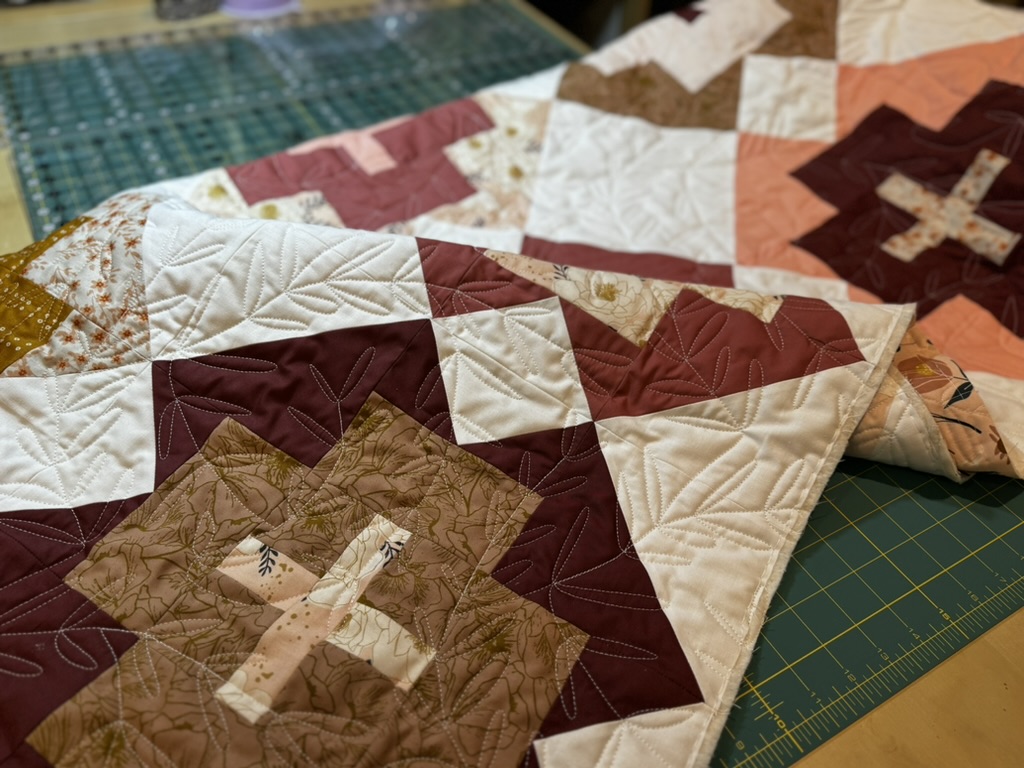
(61, 538)
(655, 265)
(53, 642)
(888, 143)
(575, 557)
(434, 129)
(461, 279)
(297, 394)
(702, 350)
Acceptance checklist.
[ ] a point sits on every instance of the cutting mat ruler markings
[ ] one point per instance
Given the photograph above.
(896, 572)
(89, 120)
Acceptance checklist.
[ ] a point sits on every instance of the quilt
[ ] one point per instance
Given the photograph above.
(482, 437)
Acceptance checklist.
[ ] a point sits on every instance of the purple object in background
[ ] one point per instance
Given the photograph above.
(258, 9)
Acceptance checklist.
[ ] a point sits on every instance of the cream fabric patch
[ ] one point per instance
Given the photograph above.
(539, 389)
(789, 98)
(215, 284)
(696, 52)
(617, 183)
(881, 32)
(306, 619)
(714, 498)
(78, 438)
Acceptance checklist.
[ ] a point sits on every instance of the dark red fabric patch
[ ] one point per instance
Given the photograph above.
(655, 265)
(297, 394)
(461, 279)
(425, 179)
(575, 557)
(53, 642)
(284, 174)
(61, 538)
(434, 129)
(886, 142)
(364, 201)
(25, 757)
(689, 14)
(702, 351)
(371, 202)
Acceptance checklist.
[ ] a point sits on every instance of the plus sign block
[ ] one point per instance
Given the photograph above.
(954, 216)
(332, 604)
(924, 216)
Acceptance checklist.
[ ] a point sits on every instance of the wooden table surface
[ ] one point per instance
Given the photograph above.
(966, 713)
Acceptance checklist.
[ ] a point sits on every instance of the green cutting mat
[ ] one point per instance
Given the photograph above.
(87, 121)
(896, 572)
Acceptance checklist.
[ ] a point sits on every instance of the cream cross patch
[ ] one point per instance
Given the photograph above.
(954, 216)
(317, 610)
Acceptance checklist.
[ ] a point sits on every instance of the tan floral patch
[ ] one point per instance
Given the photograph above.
(631, 305)
(811, 30)
(647, 91)
(501, 163)
(764, 308)
(392, 536)
(954, 216)
(963, 419)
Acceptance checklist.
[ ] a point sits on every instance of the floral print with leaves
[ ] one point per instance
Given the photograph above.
(501, 163)
(963, 420)
(96, 269)
(391, 537)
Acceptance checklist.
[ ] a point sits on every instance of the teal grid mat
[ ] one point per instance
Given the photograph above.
(87, 121)
(896, 572)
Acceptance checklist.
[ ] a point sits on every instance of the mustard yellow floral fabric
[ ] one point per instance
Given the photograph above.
(28, 314)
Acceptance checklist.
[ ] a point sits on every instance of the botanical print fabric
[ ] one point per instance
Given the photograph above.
(393, 516)
(196, 620)
(482, 437)
(28, 315)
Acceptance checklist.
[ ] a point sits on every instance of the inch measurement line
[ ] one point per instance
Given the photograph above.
(889, 606)
(899, 579)
(791, 732)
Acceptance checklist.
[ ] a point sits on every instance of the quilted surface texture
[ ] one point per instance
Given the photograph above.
(482, 437)
(279, 493)
(839, 150)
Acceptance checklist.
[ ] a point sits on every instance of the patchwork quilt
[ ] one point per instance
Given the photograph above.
(483, 437)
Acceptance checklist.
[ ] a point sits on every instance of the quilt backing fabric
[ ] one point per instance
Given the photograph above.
(482, 437)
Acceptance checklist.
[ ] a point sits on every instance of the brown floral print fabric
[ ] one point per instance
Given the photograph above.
(965, 423)
(649, 92)
(394, 523)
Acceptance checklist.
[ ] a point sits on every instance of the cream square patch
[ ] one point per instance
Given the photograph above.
(76, 439)
(624, 184)
(490, 400)
(695, 53)
(789, 98)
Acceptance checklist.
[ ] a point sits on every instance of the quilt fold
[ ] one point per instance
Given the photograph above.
(483, 436)
(284, 492)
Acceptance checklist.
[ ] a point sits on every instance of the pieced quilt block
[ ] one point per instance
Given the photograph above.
(507, 473)
(408, 499)
(925, 216)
